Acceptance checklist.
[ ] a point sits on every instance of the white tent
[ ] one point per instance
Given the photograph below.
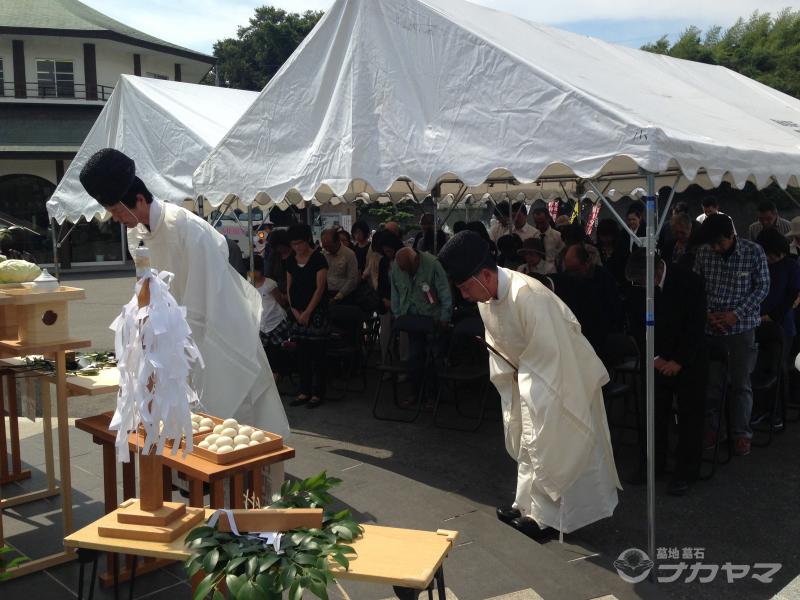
(167, 127)
(432, 89)
(388, 95)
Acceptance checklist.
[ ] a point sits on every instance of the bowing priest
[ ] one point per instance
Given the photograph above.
(550, 382)
(222, 309)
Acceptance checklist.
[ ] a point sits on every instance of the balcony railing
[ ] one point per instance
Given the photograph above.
(49, 91)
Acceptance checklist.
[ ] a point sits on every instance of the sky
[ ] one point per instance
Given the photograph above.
(197, 24)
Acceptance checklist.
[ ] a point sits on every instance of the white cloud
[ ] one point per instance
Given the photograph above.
(197, 24)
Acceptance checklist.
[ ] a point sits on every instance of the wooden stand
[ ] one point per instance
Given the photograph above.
(150, 518)
(29, 328)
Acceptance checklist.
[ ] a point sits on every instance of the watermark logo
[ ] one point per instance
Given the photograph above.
(687, 565)
(633, 565)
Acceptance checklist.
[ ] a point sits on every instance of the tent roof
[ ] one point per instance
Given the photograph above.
(430, 89)
(167, 127)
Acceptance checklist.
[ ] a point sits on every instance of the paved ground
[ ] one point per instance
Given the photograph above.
(417, 475)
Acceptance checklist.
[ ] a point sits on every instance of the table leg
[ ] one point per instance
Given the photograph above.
(237, 490)
(109, 478)
(440, 583)
(129, 477)
(255, 484)
(217, 495)
(47, 434)
(62, 409)
(3, 443)
(196, 493)
(13, 422)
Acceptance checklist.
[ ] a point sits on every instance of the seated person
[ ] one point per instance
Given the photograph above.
(274, 327)
(424, 241)
(343, 276)
(533, 253)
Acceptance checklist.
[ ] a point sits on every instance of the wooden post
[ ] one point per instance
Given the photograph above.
(62, 410)
(151, 483)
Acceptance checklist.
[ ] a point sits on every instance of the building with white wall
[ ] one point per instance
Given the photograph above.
(59, 63)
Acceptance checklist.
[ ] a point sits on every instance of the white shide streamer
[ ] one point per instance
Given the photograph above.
(154, 344)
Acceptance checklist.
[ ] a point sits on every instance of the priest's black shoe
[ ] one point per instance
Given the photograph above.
(530, 528)
(507, 513)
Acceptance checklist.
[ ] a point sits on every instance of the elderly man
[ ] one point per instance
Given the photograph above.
(768, 217)
(222, 309)
(343, 276)
(737, 281)
(419, 287)
(550, 384)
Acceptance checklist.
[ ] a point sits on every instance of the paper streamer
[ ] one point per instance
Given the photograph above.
(154, 344)
(268, 538)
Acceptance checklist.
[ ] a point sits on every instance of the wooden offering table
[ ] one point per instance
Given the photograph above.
(36, 322)
(406, 559)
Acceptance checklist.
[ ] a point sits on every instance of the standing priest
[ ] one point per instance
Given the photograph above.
(222, 309)
(550, 381)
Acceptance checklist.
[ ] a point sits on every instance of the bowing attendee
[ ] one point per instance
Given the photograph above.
(768, 217)
(550, 384)
(343, 274)
(307, 277)
(681, 363)
(534, 255)
(680, 249)
(361, 243)
(424, 241)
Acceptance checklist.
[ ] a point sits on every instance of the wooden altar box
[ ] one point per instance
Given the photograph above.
(37, 317)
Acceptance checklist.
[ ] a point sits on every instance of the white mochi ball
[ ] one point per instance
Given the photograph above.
(231, 432)
(212, 448)
(241, 439)
(203, 444)
(218, 428)
(258, 436)
(230, 423)
(254, 443)
(206, 422)
(224, 440)
(211, 439)
(224, 449)
(240, 447)
(203, 429)
(246, 430)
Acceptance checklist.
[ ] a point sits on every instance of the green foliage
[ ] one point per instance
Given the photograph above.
(402, 213)
(9, 564)
(249, 569)
(763, 47)
(250, 60)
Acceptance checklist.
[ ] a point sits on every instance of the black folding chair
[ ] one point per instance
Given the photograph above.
(621, 358)
(346, 344)
(392, 368)
(767, 380)
(467, 362)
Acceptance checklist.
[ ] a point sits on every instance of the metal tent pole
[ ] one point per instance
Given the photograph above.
(54, 236)
(652, 209)
(250, 243)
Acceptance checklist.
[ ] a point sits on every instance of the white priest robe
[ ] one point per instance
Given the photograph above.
(553, 412)
(223, 311)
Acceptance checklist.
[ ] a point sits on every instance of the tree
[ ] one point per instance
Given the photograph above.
(763, 48)
(259, 50)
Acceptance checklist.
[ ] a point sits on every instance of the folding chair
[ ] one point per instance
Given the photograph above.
(346, 344)
(621, 358)
(467, 361)
(394, 367)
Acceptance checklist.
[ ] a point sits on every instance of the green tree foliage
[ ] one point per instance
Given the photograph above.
(250, 60)
(763, 47)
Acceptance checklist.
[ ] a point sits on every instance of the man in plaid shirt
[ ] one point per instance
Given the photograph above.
(737, 280)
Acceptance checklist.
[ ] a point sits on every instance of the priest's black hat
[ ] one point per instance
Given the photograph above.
(108, 175)
(464, 255)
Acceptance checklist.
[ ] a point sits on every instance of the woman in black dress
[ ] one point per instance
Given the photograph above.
(306, 281)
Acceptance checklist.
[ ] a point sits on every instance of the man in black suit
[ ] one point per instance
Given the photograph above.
(681, 362)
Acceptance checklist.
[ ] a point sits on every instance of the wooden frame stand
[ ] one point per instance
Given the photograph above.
(149, 518)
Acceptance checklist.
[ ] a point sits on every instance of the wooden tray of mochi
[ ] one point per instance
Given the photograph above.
(270, 443)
